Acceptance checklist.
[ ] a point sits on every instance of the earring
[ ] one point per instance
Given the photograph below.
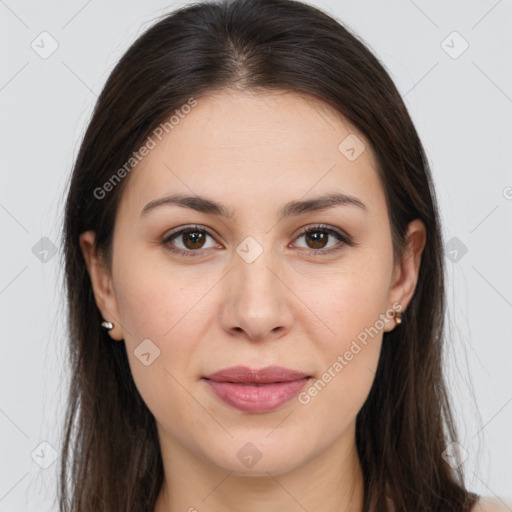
(398, 318)
(107, 325)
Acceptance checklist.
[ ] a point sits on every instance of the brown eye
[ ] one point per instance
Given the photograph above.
(189, 241)
(193, 239)
(317, 239)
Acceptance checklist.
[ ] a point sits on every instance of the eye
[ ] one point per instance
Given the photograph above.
(317, 239)
(193, 239)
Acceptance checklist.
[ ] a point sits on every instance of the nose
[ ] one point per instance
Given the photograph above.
(256, 302)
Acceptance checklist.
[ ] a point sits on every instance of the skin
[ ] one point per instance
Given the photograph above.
(493, 504)
(254, 152)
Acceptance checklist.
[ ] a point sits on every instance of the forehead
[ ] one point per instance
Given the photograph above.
(236, 144)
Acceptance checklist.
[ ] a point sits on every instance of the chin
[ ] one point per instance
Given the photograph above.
(257, 460)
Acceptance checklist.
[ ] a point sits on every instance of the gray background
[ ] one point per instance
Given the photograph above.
(461, 104)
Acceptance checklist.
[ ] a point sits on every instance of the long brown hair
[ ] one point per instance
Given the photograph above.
(111, 458)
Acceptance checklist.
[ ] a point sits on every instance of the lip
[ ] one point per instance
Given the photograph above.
(266, 375)
(256, 390)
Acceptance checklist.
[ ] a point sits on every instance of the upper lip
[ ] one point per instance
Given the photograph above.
(245, 374)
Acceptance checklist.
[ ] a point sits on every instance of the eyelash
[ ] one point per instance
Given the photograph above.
(345, 239)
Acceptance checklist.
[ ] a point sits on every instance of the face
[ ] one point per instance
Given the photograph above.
(193, 292)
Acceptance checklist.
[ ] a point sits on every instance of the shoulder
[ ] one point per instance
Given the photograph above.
(485, 504)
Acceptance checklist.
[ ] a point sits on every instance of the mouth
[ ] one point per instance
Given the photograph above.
(256, 391)
(250, 376)
(256, 384)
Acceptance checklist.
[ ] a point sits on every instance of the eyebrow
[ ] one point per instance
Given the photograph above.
(292, 208)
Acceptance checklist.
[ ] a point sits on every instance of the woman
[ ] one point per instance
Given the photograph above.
(254, 271)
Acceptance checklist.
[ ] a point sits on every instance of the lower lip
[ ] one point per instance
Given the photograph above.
(252, 398)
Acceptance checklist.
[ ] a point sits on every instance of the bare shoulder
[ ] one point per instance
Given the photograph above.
(486, 504)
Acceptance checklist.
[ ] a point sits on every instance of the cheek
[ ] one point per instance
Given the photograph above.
(160, 324)
(346, 323)
(163, 329)
(156, 299)
(349, 357)
(343, 303)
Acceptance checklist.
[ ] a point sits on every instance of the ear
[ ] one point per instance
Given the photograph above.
(101, 283)
(406, 271)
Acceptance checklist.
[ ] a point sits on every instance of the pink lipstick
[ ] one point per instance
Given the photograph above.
(252, 390)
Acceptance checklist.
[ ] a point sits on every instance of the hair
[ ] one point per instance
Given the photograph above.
(111, 457)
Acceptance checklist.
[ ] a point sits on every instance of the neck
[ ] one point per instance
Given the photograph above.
(330, 482)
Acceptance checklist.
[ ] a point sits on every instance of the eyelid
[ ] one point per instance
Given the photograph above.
(188, 227)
